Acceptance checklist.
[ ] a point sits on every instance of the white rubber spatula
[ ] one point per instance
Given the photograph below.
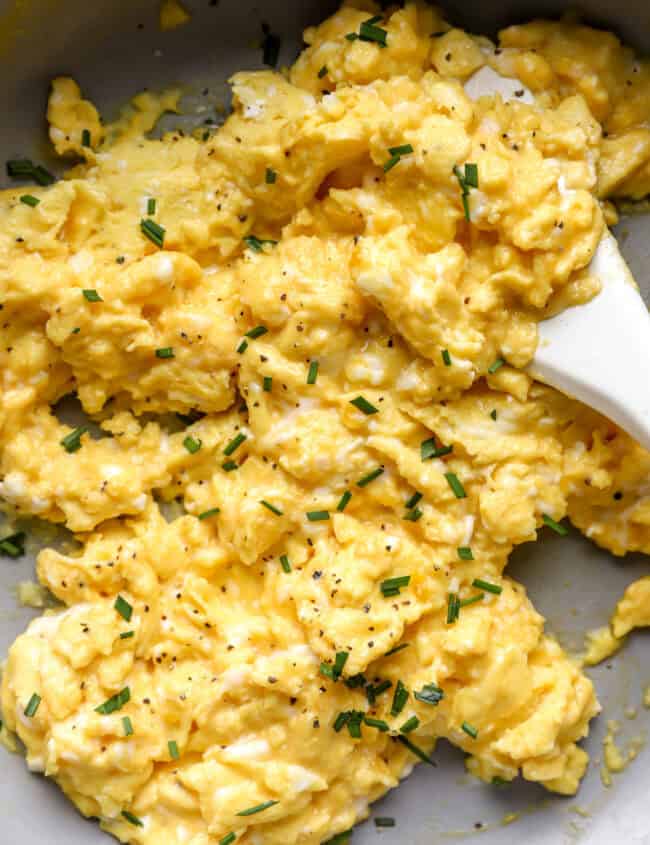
(598, 352)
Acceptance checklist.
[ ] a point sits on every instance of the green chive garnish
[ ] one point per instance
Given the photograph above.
(495, 365)
(234, 444)
(430, 694)
(376, 723)
(243, 346)
(271, 507)
(28, 199)
(429, 449)
(453, 608)
(127, 725)
(322, 72)
(209, 513)
(229, 466)
(471, 175)
(343, 501)
(392, 586)
(400, 697)
(397, 648)
(267, 384)
(446, 357)
(341, 721)
(91, 295)
(488, 586)
(154, 231)
(165, 352)
(335, 670)
(85, 138)
(497, 781)
(457, 488)
(115, 702)
(32, 705)
(270, 176)
(403, 150)
(192, 445)
(470, 730)
(415, 750)
(472, 600)
(363, 405)
(173, 749)
(369, 32)
(257, 244)
(13, 545)
(354, 723)
(151, 206)
(317, 516)
(284, 562)
(465, 553)
(257, 808)
(131, 819)
(26, 169)
(72, 442)
(467, 180)
(493, 413)
(410, 725)
(560, 529)
(123, 608)
(374, 690)
(412, 502)
(228, 839)
(312, 375)
(392, 161)
(258, 331)
(413, 515)
(363, 482)
(126, 635)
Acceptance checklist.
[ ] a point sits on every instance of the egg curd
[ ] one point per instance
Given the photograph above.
(311, 327)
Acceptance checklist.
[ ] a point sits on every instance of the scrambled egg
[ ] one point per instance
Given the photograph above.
(311, 328)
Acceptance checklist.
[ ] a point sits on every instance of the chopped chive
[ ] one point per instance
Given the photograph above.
(376, 723)
(151, 206)
(72, 441)
(85, 138)
(413, 515)
(228, 839)
(32, 705)
(257, 808)
(384, 821)
(430, 694)
(91, 295)
(351, 36)
(354, 723)
(365, 481)
(343, 501)
(126, 635)
(30, 200)
(392, 161)
(284, 562)
(465, 553)
(243, 346)
(123, 608)
(400, 697)
(453, 607)
(466, 210)
(428, 450)
(120, 259)
(270, 46)
(341, 720)
(258, 331)
(471, 600)
(20, 168)
(488, 586)
(267, 384)
(392, 586)
(403, 150)
(369, 32)
(374, 19)
(466, 181)
(497, 781)
(495, 365)
(165, 352)
(75, 330)
(363, 405)
(234, 444)
(415, 750)
(374, 690)
(355, 681)
(270, 176)
(412, 502)
(173, 749)
(312, 375)
(271, 507)
(131, 819)
(335, 670)
(115, 702)
(127, 725)
(410, 725)
(560, 529)
(229, 466)
(470, 730)
(154, 231)
(209, 513)
(192, 445)
(457, 488)
(446, 357)
(397, 648)
(493, 413)
(317, 516)
(257, 244)
(322, 72)
(471, 175)
(13, 545)
(42, 176)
